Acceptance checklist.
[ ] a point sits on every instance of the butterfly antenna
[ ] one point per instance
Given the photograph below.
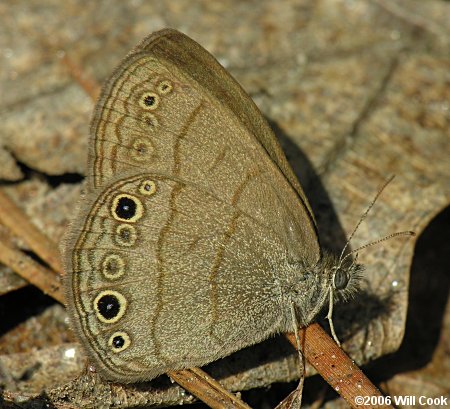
(388, 180)
(390, 236)
(342, 258)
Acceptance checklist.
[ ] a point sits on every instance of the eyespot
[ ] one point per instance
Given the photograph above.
(150, 120)
(164, 87)
(141, 149)
(109, 306)
(113, 266)
(125, 235)
(119, 341)
(147, 187)
(340, 279)
(149, 101)
(127, 208)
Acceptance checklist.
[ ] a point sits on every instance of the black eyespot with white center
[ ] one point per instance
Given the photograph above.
(119, 341)
(127, 208)
(109, 306)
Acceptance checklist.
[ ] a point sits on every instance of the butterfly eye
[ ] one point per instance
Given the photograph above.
(341, 279)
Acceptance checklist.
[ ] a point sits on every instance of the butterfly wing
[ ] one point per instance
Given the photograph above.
(182, 280)
(230, 217)
(171, 107)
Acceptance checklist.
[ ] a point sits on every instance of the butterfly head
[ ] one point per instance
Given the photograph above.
(345, 277)
(329, 279)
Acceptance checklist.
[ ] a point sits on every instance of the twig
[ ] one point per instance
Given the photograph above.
(335, 366)
(86, 82)
(209, 390)
(20, 225)
(30, 270)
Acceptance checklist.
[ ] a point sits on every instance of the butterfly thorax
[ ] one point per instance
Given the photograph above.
(307, 287)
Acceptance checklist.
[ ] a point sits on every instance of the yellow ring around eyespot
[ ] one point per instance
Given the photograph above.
(164, 87)
(150, 120)
(132, 237)
(120, 266)
(122, 306)
(125, 337)
(149, 101)
(147, 187)
(139, 208)
(141, 149)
